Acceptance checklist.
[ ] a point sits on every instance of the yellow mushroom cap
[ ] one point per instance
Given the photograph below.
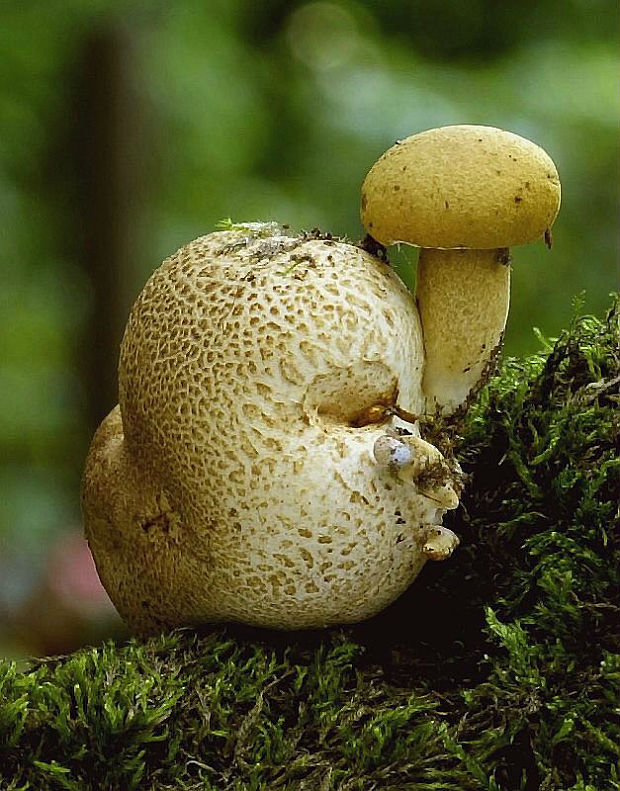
(461, 186)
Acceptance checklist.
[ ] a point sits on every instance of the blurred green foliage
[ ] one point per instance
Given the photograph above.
(270, 110)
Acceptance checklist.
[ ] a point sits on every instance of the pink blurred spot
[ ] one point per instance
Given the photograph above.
(72, 576)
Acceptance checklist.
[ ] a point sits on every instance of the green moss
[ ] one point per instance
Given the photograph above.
(498, 670)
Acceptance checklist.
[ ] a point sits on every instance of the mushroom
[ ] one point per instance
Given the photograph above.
(464, 194)
(246, 474)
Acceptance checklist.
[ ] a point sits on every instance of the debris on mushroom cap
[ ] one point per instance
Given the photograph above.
(461, 186)
(233, 483)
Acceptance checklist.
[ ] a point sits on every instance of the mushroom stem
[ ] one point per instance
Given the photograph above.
(462, 298)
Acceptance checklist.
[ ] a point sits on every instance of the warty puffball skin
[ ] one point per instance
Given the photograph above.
(230, 484)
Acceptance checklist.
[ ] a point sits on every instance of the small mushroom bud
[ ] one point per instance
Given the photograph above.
(392, 452)
(439, 543)
(442, 494)
(418, 458)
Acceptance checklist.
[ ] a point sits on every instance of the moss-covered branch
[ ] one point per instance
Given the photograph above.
(497, 671)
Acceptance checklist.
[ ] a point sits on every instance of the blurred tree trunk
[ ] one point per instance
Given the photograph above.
(108, 167)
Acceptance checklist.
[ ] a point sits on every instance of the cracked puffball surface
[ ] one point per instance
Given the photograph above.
(232, 483)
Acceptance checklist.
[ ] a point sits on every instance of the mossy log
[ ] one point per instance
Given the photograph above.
(498, 670)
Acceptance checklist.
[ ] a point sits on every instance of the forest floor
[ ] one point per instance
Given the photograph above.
(497, 670)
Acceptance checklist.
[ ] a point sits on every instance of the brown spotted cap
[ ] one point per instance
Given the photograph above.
(461, 187)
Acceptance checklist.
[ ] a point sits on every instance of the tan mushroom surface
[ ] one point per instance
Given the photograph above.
(464, 194)
(462, 186)
(236, 480)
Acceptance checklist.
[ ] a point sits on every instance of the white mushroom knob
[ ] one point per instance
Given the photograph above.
(392, 452)
(419, 458)
(439, 543)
